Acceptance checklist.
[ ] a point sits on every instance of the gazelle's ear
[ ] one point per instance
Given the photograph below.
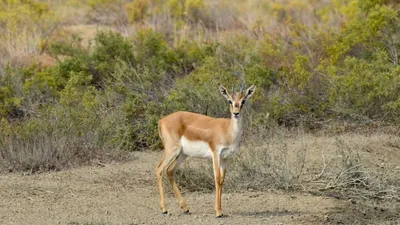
(250, 91)
(224, 92)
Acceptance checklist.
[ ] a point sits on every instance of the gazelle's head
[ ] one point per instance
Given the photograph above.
(237, 99)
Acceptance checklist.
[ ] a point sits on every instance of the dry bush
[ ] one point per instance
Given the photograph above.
(362, 167)
(58, 138)
(43, 152)
(45, 149)
(268, 161)
(264, 162)
(350, 165)
(196, 175)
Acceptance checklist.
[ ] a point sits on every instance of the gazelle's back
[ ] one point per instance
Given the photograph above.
(193, 127)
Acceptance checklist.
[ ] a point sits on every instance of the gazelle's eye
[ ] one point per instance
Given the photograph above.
(230, 102)
(243, 102)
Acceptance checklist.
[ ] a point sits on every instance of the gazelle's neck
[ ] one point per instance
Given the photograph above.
(237, 129)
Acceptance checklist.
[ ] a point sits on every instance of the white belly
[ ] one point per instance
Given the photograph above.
(199, 149)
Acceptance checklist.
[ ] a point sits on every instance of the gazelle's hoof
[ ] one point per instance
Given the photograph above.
(220, 216)
(164, 213)
(186, 212)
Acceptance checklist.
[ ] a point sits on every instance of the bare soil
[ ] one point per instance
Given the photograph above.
(126, 193)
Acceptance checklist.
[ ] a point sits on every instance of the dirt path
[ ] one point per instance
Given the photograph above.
(126, 194)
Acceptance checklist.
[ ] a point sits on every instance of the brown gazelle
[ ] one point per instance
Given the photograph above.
(186, 134)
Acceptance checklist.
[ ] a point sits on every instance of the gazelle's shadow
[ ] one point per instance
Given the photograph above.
(269, 213)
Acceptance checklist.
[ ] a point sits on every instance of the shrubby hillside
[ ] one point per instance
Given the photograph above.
(86, 79)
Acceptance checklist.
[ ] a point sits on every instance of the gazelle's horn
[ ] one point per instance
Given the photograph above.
(241, 87)
(233, 89)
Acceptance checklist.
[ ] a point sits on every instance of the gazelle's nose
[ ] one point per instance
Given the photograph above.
(236, 114)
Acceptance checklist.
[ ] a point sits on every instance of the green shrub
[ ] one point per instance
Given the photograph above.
(366, 88)
(152, 52)
(109, 49)
(136, 10)
(9, 100)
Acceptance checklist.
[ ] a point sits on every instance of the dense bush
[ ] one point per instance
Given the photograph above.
(310, 62)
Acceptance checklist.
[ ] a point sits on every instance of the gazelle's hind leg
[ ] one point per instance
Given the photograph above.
(169, 161)
(170, 168)
(159, 172)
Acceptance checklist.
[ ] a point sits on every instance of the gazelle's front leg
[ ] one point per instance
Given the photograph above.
(222, 166)
(218, 187)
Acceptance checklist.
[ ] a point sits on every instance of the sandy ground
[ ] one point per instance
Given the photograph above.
(126, 194)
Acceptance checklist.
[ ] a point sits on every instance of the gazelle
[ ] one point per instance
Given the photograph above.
(186, 134)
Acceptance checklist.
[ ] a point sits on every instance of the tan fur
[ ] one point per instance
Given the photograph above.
(195, 126)
(219, 134)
